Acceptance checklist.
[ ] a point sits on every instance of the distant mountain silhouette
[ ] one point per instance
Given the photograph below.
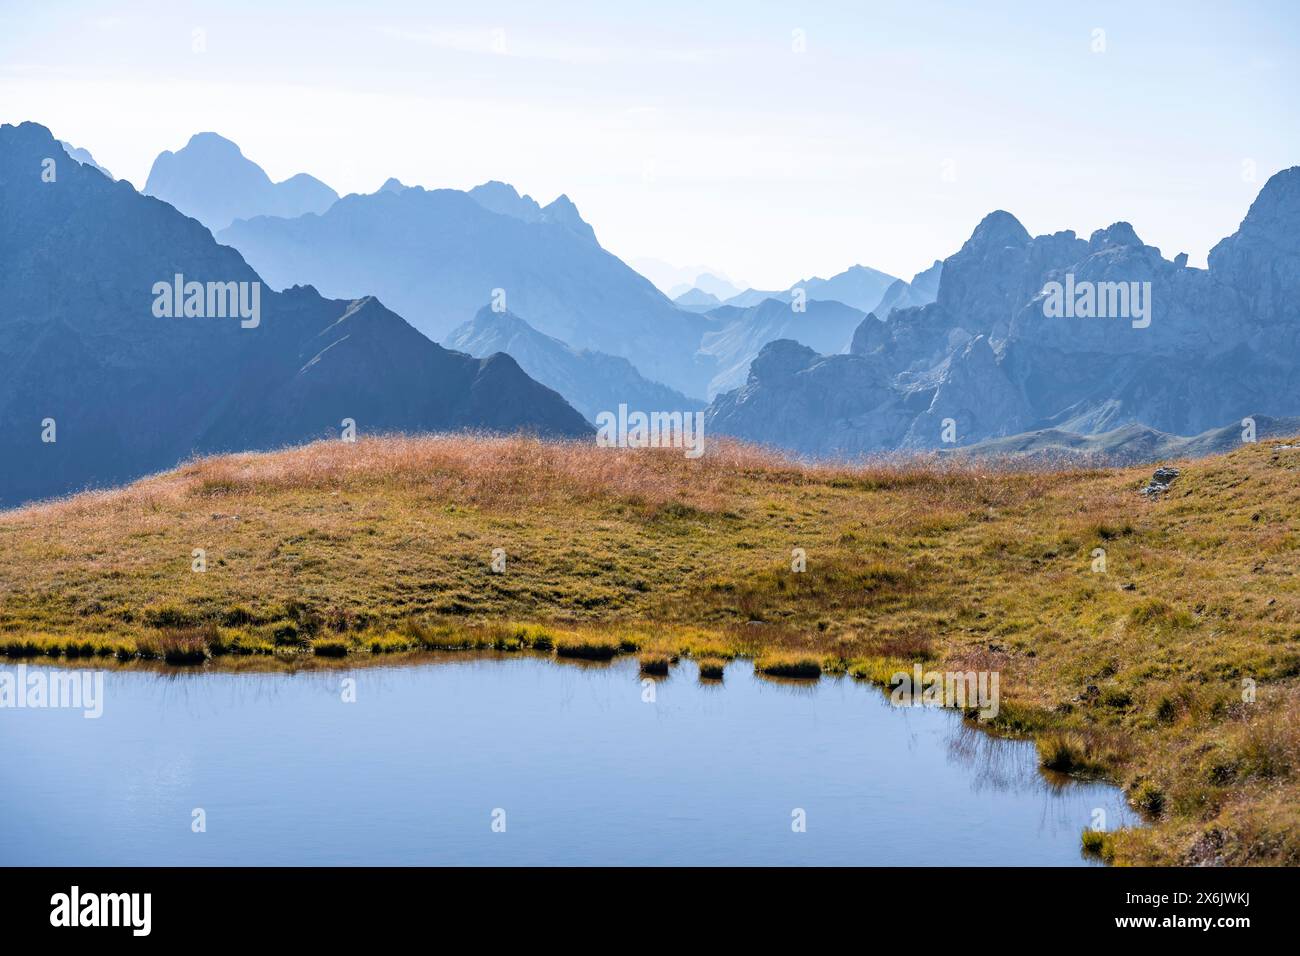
(1129, 443)
(752, 297)
(709, 284)
(85, 359)
(696, 300)
(674, 280)
(591, 381)
(990, 357)
(211, 180)
(859, 287)
(438, 255)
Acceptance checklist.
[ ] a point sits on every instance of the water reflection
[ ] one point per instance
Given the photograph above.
(289, 770)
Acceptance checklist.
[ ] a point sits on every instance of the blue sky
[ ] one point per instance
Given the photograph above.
(707, 137)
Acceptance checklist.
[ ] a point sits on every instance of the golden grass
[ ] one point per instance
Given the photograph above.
(712, 668)
(656, 665)
(385, 547)
(786, 664)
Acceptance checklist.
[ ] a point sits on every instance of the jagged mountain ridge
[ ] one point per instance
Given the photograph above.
(1222, 343)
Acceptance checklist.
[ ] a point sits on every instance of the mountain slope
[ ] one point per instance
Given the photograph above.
(130, 392)
(592, 382)
(437, 257)
(211, 180)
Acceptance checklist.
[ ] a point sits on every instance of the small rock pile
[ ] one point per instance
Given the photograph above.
(1160, 482)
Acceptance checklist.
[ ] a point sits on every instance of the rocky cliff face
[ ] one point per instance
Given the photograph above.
(1156, 344)
(1261, 260)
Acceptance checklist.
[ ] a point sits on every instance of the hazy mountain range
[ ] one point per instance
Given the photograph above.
(967, 354)
(859, 287)
(697, 300)
(1131, 443)
(439, 256)
(989, 358)
(592, 382)
(674, 280)
(711, 285)
(737, 334)
(96, 388)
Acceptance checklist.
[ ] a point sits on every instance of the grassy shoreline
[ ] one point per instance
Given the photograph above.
(338, 553)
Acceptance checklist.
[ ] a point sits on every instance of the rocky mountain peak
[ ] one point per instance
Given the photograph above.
(998, 228)
(1118, 234)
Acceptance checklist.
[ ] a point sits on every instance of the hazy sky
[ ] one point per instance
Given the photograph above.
(707, 136)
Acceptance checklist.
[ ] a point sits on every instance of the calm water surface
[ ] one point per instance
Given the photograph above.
(584, 769)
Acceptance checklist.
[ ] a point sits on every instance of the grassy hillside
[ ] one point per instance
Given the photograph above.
(386, 546)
